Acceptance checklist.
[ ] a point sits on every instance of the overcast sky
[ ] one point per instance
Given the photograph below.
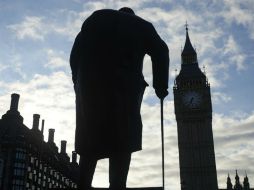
(35, 43)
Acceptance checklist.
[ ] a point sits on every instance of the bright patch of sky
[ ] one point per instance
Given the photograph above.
(35, 44)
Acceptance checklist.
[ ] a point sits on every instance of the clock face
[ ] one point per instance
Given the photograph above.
(192, 99)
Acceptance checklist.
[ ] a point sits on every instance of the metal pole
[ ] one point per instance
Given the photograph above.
(162, 147)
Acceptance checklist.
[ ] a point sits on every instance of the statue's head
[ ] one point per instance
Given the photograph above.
(127, 10)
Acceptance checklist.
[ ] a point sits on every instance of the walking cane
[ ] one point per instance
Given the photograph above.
(162, 145)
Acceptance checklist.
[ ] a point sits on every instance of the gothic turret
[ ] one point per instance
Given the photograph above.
(63, 151)
(35, 128)
(36, 120)
(238, 185)
(51, 139)
(13, 114)
(229, 184)
(246, 184)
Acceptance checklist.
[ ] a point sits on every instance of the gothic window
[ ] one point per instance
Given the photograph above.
(32, 160)
(30, 176)
(34, 177)
(20, 155)
(18, 184)
(18, 172)
(19, 165)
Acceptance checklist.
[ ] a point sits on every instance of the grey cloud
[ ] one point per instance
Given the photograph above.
(56, 60)
(219, 97)
(30, 27)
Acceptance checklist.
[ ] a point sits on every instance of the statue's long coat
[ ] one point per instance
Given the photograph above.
(106, 62)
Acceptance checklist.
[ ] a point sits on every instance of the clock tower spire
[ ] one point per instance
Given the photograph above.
(189, 55)
(193, 110)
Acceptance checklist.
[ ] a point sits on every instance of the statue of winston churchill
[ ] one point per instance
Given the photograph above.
(106, 62)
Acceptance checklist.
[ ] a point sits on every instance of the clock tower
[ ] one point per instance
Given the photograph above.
(193, 110)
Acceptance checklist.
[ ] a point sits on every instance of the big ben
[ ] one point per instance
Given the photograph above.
(193, 110)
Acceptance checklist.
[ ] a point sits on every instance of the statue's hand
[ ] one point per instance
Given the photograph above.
(161, 93)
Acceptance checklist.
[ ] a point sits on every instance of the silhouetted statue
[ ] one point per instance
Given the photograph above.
(106, 62)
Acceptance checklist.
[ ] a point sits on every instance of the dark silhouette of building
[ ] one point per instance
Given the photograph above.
(27, 161)
(229, 183)
(238, 185)
(193, 110)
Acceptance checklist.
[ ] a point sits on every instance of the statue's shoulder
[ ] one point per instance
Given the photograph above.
(104, 11)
